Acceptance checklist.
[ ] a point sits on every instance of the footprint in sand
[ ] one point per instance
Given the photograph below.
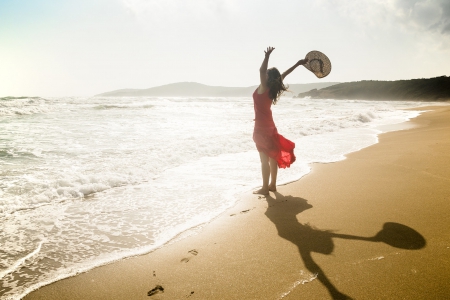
(157, 289)
(192, 293)
(247, 210)
(243, 212)
(193, 253)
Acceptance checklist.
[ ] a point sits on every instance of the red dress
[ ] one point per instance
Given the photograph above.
(265, 134)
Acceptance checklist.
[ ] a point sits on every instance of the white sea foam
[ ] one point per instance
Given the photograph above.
(305, 277)
(99, 179)
(20, 261)
(10, 106)
(377, 258)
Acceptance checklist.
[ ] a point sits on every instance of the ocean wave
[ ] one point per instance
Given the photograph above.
(13, 153)
(338, 122)
(124, 106)
(366, 117)
(30, 193)
(10, 106)
(9, 98)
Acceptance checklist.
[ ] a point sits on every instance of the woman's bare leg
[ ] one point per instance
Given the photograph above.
(273, 174)
(265, 170)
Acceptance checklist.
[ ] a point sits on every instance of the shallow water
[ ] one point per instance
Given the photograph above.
(85, 181)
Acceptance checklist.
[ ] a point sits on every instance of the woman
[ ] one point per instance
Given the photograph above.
(274, 150)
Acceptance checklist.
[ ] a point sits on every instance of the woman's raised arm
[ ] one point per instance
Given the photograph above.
(288, 71)
(263, 71)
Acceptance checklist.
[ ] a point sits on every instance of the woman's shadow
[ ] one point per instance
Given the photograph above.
(282, 211)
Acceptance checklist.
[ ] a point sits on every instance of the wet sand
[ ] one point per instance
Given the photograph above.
(374, 226)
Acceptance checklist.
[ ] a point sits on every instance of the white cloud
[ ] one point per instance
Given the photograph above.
(424, 23)
(422, 16)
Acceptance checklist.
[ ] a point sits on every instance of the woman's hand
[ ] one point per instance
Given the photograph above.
(302, 62)
(268, 51)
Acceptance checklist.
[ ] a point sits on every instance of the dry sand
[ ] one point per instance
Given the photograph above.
(374, 226)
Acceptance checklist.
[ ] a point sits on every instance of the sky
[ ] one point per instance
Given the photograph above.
(54, 48)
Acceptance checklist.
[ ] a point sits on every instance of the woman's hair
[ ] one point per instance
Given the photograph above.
(275, 84)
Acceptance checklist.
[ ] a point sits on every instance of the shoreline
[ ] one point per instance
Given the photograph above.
(109, 259)
(244, 207)
(193, 230)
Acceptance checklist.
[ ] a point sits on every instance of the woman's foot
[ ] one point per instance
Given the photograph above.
(273, 188)
(262, 191)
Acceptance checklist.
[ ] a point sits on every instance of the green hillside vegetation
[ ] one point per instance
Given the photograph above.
(427, 89)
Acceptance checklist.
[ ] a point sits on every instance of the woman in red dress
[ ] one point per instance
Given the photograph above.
(274, 150)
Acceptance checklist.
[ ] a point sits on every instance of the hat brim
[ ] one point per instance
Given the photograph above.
(318, 63)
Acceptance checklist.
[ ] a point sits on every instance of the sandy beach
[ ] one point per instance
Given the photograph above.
(373, 226)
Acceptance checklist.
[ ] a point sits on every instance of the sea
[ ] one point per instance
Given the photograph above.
(88, 181)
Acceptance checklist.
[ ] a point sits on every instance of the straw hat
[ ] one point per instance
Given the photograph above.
(318, 63)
